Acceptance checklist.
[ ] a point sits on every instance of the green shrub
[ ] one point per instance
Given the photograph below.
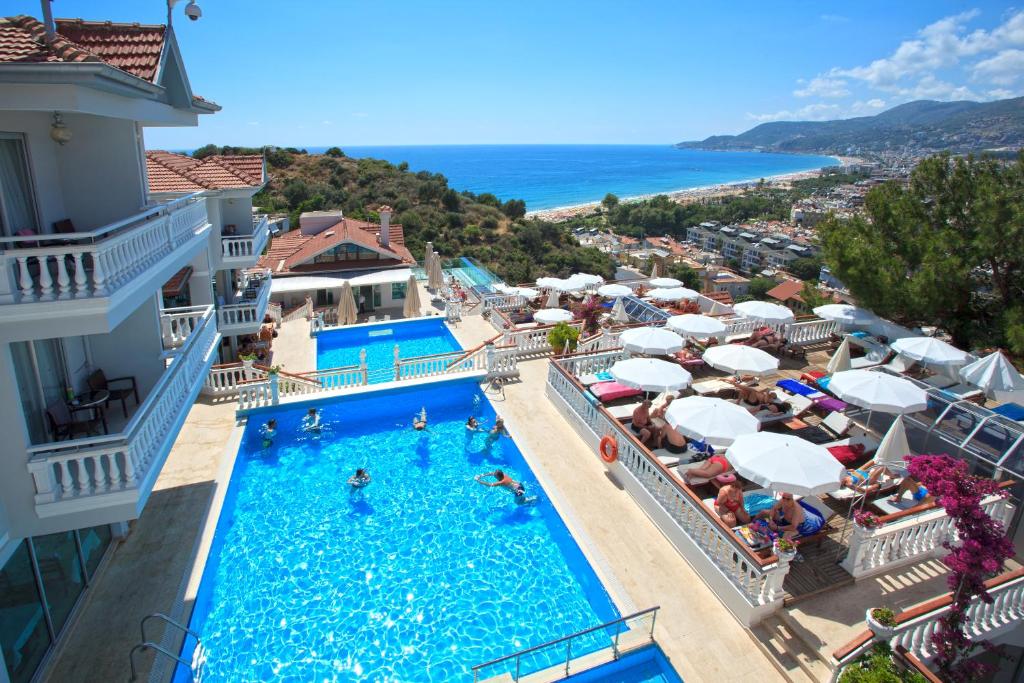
(562, 336)
(878, 666)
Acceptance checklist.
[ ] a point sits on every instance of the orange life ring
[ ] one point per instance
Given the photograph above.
(609, 449)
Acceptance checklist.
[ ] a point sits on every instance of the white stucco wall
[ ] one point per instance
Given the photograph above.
(42, 155)
(133, 349)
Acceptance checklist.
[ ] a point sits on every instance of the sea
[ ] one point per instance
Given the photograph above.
(554, 176)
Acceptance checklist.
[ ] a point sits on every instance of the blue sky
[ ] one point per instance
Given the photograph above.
(297, 72)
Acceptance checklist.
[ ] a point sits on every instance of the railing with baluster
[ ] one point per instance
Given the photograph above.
(503, 302)
(916, 625)
(749, 585)
(533, 341)
(177, 324)
(99, 262)
(126, 461)
(440, 364)
(810, 331)
(246, 248)
(247, 314)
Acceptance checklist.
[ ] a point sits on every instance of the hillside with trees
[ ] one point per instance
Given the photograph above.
(458, 223)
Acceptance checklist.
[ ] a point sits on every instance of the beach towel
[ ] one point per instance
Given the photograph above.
(813, 521)
(847, 455)
(794, 387)
(610, 391)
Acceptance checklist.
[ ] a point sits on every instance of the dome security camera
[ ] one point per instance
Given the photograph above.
(192, 11)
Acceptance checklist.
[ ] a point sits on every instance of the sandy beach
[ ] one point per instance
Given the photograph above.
(687, 195)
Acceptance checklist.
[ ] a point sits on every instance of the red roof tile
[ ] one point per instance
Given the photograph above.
(786, 290)
(293, 252)
(135, 48)
(170, 172)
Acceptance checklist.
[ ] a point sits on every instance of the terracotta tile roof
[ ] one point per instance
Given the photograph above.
(786, 290)
(170, 172)
(293, 252)
(723, 297)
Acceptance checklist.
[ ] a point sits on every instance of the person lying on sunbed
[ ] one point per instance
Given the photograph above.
(658, 414)
(712, 467)
(864, 478)
(642, 415)
(918, 491)
(650, 437)
(729, 505)
(672, 439)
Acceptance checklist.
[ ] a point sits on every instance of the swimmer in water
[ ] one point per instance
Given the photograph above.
(505, 481)
(472, 425)
(499, 427)
(311, 423)
(419, 422)
(360, 479)
(268, 432)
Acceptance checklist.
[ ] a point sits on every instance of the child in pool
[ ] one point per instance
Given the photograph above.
(360, 479)
(268, 432)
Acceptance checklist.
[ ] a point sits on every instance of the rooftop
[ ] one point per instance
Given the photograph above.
(169, 172)
(293, 252)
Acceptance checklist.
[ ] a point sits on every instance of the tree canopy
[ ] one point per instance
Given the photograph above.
(948, 250)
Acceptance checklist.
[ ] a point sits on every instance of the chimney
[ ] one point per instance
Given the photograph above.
(51, 29)
(385, 225)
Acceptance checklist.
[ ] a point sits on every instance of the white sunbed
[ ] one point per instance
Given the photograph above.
(940, 381)
(711, 386)
(624, 411)
(889, 508)
(800, 404)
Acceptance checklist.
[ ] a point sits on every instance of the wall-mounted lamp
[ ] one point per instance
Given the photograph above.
(60, 133)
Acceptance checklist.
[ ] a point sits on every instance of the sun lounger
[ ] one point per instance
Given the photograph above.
(792, 386)
(963, 392)
(587, 380)
(889, 508)
(799, 404)
(900, 364)
(611, 391)
(623, 412)
(1011, 411)
(711, 387)
(831, 404)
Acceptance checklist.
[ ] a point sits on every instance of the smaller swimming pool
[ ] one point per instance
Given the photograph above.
(340, 348)
(649, 665)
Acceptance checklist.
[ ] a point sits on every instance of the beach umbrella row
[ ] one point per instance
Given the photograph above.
(693, 325)
(764, 310)
(650, 374)
(653, 341)
(739, 359)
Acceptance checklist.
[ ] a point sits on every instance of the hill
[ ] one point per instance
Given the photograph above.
(923, 127)
(458, 223)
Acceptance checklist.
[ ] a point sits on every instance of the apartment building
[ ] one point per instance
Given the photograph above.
(97, 374)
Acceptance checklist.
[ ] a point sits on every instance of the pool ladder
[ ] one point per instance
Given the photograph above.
(146, 644)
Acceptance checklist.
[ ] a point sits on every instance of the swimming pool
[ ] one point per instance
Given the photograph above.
(417, 577)
(648, 665)
(340, 348)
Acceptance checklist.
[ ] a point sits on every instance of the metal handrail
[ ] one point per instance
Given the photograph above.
(141, 647)
(172, 622)
(568, 639)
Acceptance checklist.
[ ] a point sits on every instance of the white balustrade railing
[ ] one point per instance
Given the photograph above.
(97, 263)
(503, 302)
(114, 463)
(692, 527)
(910, 539)
(178, 324)
(303, 312)
(810, 331)
(602, 341)
(275, 312)
(532, 341)
(916, 625)
(247, 314)
(224, 380)
(246, 247)
(341, 378)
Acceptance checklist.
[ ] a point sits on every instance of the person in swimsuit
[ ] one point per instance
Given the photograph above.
(502, 479)
(918, 492)
(268, 432)
(472, 425)
(419, 422)
(360, 479)
(311, 423)
(729, 505)
(658, 414)
(865, 478)
(499, 426)
(711, 468)
(642, 415)
(785, 517)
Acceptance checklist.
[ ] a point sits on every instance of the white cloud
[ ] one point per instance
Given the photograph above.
(812, 112)
(1003, 69)
(867, 107)
(822, 86)
(1001, 94)
(931, 88)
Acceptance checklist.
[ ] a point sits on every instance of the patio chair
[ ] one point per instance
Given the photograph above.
(65, 423)
(98, 381)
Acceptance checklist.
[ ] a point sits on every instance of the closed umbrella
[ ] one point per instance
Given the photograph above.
(894, 445)
(718, 308)
(656, 269)
(664, 282)
(435, 278)
(739, 359)
(993, 373)
(764, 310)
(672, 294)
(614, 290)
(930, 350)
(619, 314)
(650, 374)
(693, 325)
(411, 307)
(846, 314)
(713, 420)
(840, 360)
(552, 315)
(552, 301)
(785, 463)
(878, 391)
(654, 341)
(347, 310)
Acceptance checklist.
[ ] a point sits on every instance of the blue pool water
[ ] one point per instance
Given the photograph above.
(340, 348)
(417, 577)
(648, 665)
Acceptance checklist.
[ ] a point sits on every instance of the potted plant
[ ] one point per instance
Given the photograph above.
(274, 370)
(247, 359)
(881, 621)
(562, 337)
(866, 520)
(785, 548)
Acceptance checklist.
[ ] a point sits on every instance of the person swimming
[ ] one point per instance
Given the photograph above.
(499, 427)
(501, 479)
(419, 422)
(472, 424)
(311, 423)
(360, 479)
(268, 432)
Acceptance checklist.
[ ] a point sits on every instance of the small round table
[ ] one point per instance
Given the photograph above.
(95, 401)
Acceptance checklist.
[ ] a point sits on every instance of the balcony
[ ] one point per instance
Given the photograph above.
(114, 473)
(245, 315)
(97, 278)
(242, 251)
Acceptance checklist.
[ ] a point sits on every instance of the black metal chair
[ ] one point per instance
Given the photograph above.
(99, 382)
(65, 423)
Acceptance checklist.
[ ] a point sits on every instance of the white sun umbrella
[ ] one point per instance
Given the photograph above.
(527, 292)
(614, 290)
(715, 421)
(411, 307)
(739, 359)
(930, 350)
(894, 445)
(664, 282)
(672, 294)
(653, 341)
(650, 374)
(619, 314)
(549, 282)
(993, 373)
(347, 312)
(693, 325)
(878, 391)
(764, 310)
(840, 360)
(552, 315)
(785, 463)
(656, 269)
(845, 314)
(586, 280)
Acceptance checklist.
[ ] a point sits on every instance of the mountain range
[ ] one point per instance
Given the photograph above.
(923, 126)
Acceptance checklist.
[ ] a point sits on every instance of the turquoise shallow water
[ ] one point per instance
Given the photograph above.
(547, 176)
(417, 577)
(340, 348)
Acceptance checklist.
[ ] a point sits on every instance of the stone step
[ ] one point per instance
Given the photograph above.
(795, 659)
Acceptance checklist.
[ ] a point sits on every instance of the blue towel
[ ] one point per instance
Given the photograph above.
(813, 521)
(823, 382)
(795, 387)
(754, 503)
(605, 376)
(860, 334)
(1013, 411)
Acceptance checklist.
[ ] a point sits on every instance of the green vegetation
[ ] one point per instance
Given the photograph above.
(946, 251)
(685, 274)
(877, 666)
(759, 287)
(562, 337)
(458, 223)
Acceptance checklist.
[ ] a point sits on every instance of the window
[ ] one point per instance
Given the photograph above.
(397, 291)
(95, 542)
(42, 380)
(23, 633)
(17, 198)
(61, 573)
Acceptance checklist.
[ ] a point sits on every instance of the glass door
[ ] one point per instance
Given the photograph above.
(17, 198)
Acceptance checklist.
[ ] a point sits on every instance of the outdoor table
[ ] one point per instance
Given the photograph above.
(95, 401)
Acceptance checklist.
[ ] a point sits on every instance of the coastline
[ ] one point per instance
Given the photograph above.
(689, 194)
